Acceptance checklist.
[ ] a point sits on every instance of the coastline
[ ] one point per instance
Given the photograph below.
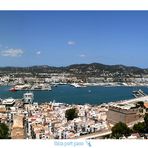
(71, 95)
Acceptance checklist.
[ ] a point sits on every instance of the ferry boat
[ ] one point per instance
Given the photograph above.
(20, 87)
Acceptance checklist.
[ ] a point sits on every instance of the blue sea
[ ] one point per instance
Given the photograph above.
(71, 95)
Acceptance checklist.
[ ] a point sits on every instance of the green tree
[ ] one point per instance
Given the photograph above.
(70, 114)
(4, 131)
(146, 122)
(146, 119)
(139, 127)
(119, 130)
(140, 104)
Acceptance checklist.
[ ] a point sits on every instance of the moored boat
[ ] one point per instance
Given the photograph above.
(12, 89)
(78, 85)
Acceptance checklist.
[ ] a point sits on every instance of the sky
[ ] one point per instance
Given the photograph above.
(61, 38)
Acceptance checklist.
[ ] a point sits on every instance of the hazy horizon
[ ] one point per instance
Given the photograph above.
(73, 64)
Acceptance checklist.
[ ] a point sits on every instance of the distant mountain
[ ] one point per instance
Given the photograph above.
(110, 68)
(93, 69)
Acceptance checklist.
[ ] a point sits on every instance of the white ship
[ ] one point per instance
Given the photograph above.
(78, 85)
(20, 87)
(41, 87)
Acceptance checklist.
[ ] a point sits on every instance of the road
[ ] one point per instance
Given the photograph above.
(145, 98)
(95, 135)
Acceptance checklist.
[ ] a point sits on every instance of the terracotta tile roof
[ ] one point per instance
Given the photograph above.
(146, 105)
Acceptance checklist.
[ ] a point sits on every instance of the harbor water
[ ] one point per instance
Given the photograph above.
(72, 95)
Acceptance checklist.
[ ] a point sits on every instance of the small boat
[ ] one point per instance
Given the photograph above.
(12, 89)
(78, 85)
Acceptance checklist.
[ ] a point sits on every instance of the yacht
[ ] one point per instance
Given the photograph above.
(78, 85)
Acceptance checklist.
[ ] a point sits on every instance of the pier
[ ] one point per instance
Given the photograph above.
(143, 98)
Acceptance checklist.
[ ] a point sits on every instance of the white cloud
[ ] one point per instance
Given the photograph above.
(71, 43)
(82, 55)
(12, 52)
(38, 52)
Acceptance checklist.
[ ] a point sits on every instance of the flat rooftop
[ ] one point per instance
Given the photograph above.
(124, 106)
(8, 101)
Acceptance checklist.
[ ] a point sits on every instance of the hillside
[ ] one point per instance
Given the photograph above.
(93, 69)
